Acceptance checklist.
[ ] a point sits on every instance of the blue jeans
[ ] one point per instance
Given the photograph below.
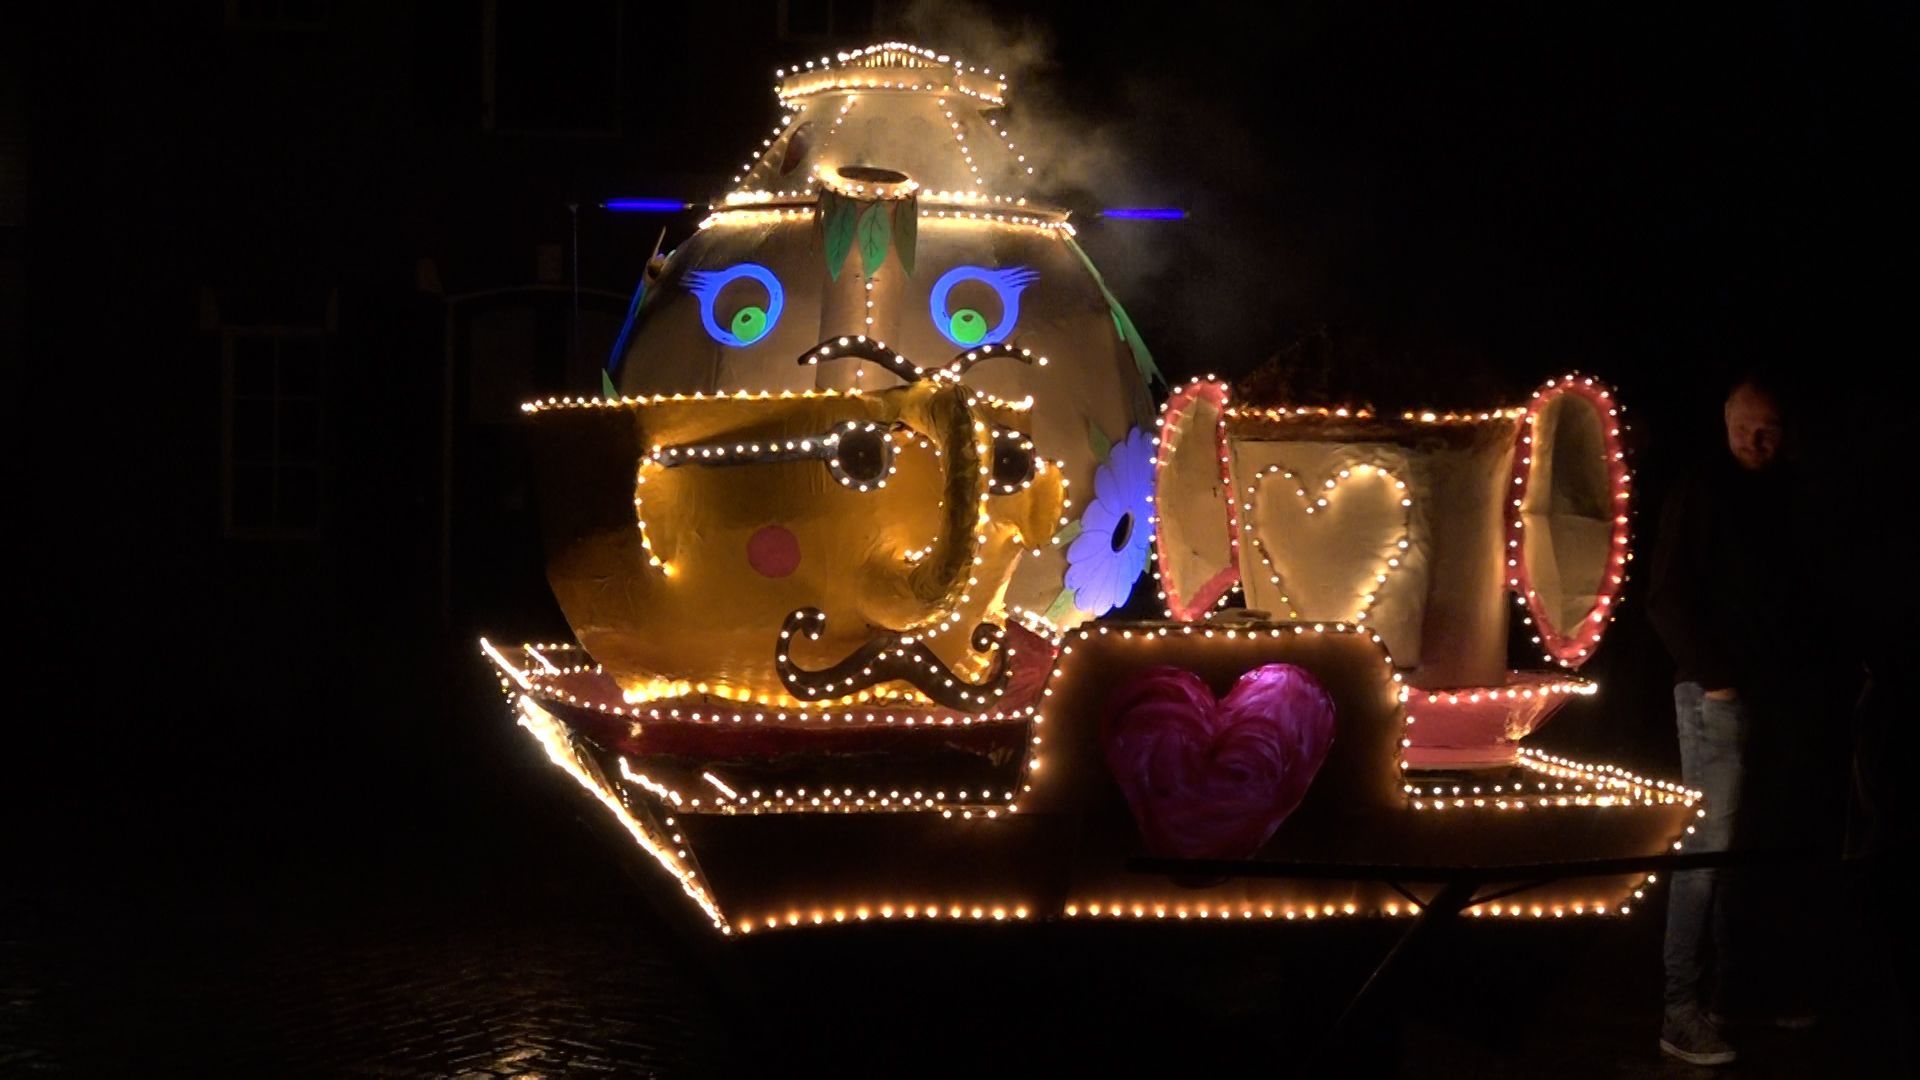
(1713, 742)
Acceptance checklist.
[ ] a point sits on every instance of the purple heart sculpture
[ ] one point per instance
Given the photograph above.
(1214, 778)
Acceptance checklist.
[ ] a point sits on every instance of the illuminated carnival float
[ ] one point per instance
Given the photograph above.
(881, 453)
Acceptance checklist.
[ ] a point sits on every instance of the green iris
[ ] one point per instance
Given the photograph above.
(749, 323)
(967, 326)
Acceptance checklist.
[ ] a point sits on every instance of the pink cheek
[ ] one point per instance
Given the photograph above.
(773, 551)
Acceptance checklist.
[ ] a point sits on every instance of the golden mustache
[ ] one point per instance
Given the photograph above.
(882, 660)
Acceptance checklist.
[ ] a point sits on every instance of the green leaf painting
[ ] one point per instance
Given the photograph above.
(840, 216)
(906, 231)
(874, 232)
(1142, 356)
(1061, 607)
(1102, 446)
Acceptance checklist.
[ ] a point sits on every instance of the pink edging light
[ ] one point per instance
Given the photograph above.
(1210, 592)
(1571, 648)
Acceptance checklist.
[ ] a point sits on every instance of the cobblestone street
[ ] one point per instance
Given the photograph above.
(549, 963)
(506, 978)
(450, 906)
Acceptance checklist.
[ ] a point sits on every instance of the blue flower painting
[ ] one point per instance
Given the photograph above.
(1116, 530)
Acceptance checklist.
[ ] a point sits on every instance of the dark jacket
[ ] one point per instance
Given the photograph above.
(1730, 577)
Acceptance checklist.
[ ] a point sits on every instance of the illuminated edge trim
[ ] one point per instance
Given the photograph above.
(1541, 762)
(1217, 588)
(1571, 649)
(553, 736)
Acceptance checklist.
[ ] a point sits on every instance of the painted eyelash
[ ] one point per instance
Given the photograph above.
(1007, 284)
(1016, 278)
(705, 285)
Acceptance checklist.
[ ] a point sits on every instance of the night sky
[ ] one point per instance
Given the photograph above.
(1547, 185)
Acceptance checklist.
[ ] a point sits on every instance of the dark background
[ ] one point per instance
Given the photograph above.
(274, 274)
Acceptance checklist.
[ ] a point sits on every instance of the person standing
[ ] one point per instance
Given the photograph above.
(1726, 545)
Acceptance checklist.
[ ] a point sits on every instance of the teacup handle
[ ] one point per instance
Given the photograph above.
(1197, 534)
(1568, 520)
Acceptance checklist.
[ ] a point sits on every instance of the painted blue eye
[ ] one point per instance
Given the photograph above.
(750, 322)
(967, 327)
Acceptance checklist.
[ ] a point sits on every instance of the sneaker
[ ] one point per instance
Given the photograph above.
(1689, 1037)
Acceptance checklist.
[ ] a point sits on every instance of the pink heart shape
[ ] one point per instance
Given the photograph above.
(1214, 778)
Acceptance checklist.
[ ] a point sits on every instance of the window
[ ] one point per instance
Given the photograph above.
(274, 431)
